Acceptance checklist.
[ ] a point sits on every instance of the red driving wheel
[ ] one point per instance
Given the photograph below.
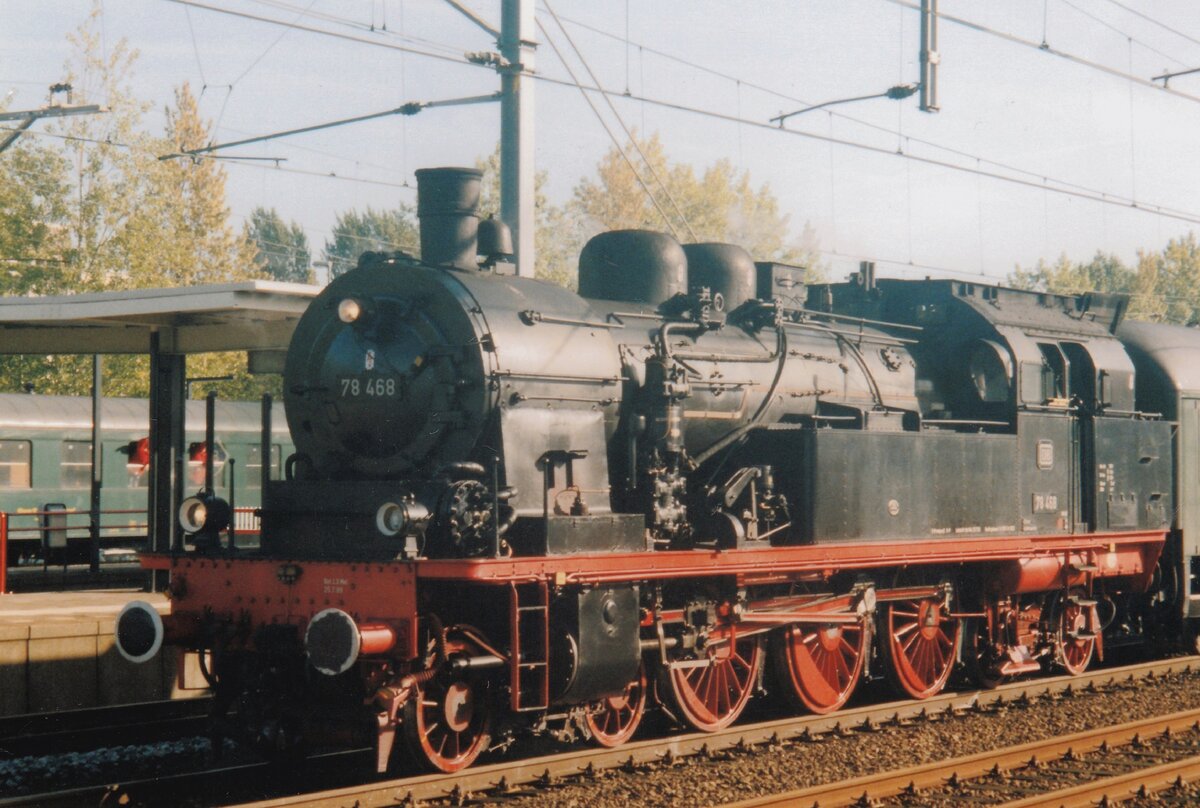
(710, 693)
(1076, 639)
(920, 642)
(822, 663)
(618, 717)
(447, 722)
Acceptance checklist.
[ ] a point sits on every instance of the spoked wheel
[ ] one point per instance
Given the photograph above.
(618, 717)
(919, 643)
(710, 693)
(1076, 638)
(822, 663)
(447, 723)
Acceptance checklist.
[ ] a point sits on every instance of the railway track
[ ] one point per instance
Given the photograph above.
(1109, 763)
(97, 727)
(244, 784)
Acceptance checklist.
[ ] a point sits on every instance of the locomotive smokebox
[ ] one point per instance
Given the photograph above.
(448, 209)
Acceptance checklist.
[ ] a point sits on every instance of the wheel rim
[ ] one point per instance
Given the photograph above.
(711, 693)
(1076, 652)
(921, 643)
(822, 663)
(447, 721)
(618, 717)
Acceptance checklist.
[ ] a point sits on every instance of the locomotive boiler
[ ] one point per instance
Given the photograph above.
(517, 508)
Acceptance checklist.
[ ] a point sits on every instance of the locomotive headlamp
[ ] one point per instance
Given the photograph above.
(204, 513)
(404, 517)
(391, 518)
(350, 311)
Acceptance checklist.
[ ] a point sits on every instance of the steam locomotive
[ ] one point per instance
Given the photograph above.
(517, 508)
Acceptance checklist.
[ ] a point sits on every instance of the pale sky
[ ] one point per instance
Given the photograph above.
(1065, 116)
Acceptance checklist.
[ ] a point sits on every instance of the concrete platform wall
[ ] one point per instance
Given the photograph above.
(61, 663)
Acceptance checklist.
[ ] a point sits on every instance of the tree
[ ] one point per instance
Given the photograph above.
(720, 204)
(1104, 273)
(182, 236)
(557, 236)
(1163, 287)
(281, 250)
(1175, 277)
(112, 215)
(33, 213)
(372, 230)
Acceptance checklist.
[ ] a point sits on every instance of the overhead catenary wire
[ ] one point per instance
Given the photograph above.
(637, 146)
(1051, 51)
(458, 59)
(1054, 184)
(740, 81)
(187, 13)
(330, 175)
(347, 22)
(604, 124)
(271, 47)
(1155, 210)
(644, 49)
(1104, 197)
(1153, 21)
(1122, 32)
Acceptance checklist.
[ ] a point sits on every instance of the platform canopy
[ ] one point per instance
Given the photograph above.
(246, 316)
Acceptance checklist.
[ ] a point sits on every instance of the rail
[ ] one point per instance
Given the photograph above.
(242, 782)
(497, 778)
(919, 782)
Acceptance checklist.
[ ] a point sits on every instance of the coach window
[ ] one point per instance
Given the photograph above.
(75, 468)
(15, 464)
(254, 465)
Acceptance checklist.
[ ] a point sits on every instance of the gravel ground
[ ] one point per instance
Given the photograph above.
(1056, 774)
(24, 775)
(728, 777)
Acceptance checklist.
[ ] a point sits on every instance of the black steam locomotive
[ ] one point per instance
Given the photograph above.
(513, 507)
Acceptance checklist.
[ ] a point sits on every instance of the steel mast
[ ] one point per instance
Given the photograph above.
(517, 169)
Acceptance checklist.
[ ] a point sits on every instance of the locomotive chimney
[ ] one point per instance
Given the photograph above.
(448, 208)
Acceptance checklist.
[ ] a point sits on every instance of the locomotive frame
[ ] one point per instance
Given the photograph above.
(514, 508)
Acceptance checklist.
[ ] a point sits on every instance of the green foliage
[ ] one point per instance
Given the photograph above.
(1104, 273)
(719, 204)
(281, 249)
(1172, 278)
(558, 236)
(33, 213)
(1164, 287)
(372, 230)
(98, 211)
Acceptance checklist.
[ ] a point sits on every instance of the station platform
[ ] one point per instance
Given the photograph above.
(57, 652)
